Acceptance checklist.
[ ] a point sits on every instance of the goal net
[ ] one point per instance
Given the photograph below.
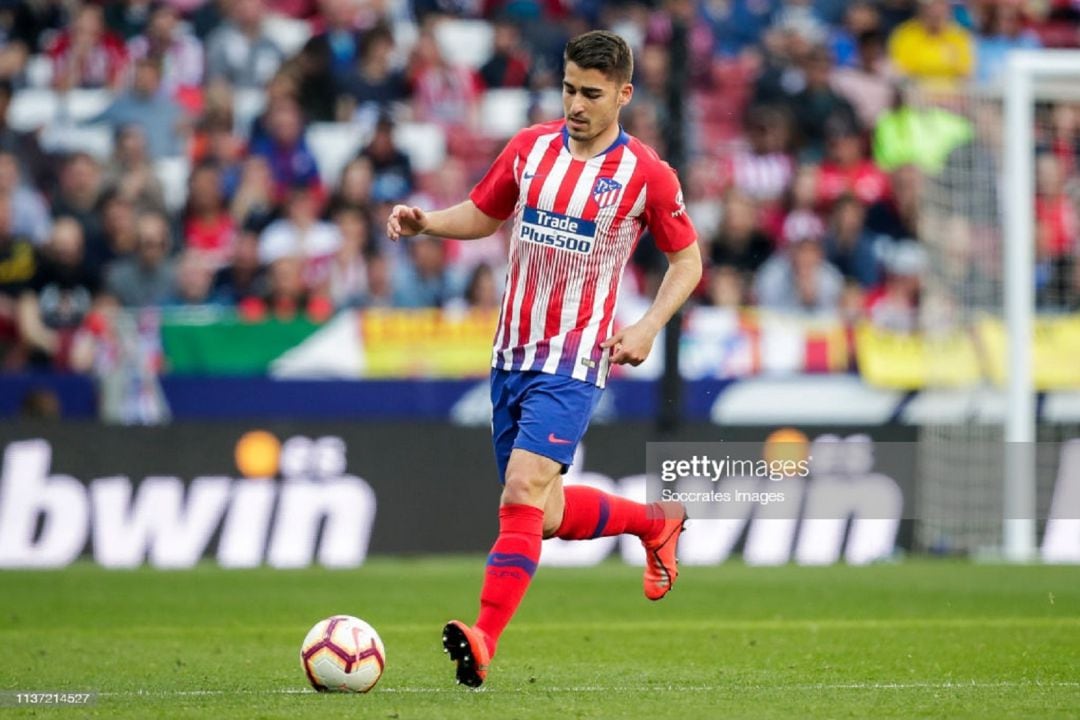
(986, 467)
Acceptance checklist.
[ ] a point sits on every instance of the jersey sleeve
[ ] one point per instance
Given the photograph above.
(665, 212)
(497, 192)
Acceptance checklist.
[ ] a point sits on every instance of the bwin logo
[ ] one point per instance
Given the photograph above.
(317, 514)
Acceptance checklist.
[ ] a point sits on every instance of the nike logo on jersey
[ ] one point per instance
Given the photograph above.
(528, 176)
(558, 440)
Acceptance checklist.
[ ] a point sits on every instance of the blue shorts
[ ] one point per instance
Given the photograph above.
(542, 413)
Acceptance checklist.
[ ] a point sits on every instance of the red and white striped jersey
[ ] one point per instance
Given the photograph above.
(575, 224)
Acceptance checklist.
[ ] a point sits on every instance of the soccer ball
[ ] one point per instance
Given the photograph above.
(343, 654)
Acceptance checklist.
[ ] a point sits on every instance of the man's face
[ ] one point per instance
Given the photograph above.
(934, 14)
(591, 101)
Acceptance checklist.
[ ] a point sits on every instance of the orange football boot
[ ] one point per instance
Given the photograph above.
(466, 647)
(661, 567)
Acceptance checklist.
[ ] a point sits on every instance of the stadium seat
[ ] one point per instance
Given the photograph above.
(287, 33)
(82, 105)
(504, 111)
(173, 173)
(39, 71)
(334, 145)
(424, 143)
(63, 137)
(465, 42)
(32, 108)
(248, 104)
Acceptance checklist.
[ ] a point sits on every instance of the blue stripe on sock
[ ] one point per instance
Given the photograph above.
(512, 560)
(601, 522)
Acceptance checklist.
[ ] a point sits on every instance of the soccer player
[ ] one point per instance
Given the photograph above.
(581, 192)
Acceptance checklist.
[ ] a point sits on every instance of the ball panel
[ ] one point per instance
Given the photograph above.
(343, 653)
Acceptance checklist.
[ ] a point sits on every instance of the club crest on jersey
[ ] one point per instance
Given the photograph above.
(606, 191)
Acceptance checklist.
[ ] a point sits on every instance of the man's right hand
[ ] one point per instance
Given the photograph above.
(405, 221)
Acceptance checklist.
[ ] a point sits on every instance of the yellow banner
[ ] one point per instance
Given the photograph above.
(1055, 351)
(427, 343)
(903, 361)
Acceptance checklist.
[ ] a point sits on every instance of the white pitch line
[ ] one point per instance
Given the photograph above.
(947, 685)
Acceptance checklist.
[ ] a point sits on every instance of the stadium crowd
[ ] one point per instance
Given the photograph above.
(246, 152)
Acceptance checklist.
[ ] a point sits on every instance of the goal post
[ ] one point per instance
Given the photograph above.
(1024, 68)
(1003, 285)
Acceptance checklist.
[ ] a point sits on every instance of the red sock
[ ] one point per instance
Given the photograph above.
(591, 513)
(510, 567)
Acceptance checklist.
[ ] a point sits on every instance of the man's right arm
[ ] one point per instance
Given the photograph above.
(463, 221)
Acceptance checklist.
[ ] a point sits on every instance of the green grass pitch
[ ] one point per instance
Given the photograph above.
(917, 639)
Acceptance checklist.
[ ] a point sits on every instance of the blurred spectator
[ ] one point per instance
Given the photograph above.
(86, 54)
(868, 83)
(15, 44)
(374, 84)
(897, 215)
(128, 18)
(162, 121)
(1001, 30)
(354, 188)
(932, 46)
(34, 166)
(799, 280)
(194, 281)
(380, 287)
(348, 271)
(1062, 136)
(288, 295)
(296, 9)
(481, 292)
(393, 176)
(818, 104)
(300, 233)
(131, 171)
(316, 88)
(339, 42)
(846, 169)
(726, 287)
(59, 297)
(18, 266)
(763, 170)
(895, 304)
(244, 277)
(147, 277)
(800, 17)
(215, 143)
(80, 188)
(443, 93)
(208, 227)
(285, 149)
(180, 52)
(849, 246)
(922, 136)
(738, 25)
(860, 19)
(740, 243)
(704, 201)
(253, 202)
(29, 213)
(800, 218)
(118, 215)
(1055, 212)
(510, 64)
(426, 280)
(239, 51)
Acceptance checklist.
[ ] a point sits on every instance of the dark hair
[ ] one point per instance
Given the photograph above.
(604, 51)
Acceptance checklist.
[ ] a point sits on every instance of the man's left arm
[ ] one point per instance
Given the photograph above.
(631, 345)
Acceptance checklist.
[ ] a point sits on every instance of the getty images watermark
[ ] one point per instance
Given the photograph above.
(784, 476)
